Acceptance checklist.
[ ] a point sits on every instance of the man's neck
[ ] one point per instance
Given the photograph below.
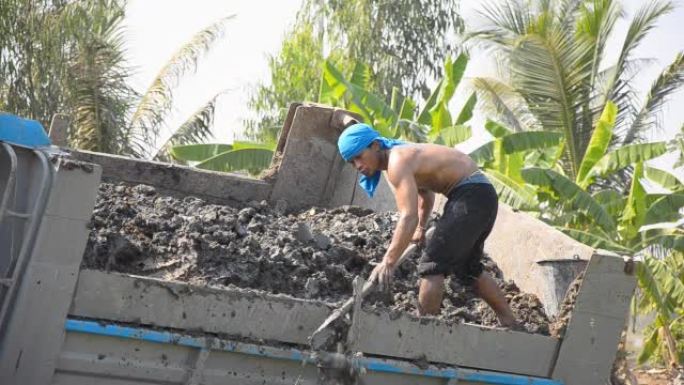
(384, 159)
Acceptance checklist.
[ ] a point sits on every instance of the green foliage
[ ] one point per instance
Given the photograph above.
(530, 140)
(405, 42)
(558, 76)
(514, 194)
(67, 57)
(198, 152)
(568, 192)
(295, 73)
(598, 144)
(627, 155)
(434, 122)
(251, 159)
(238, 156)
(97, 97)
(195, 130)
(157, 101)
(664, 179)
(662, 284)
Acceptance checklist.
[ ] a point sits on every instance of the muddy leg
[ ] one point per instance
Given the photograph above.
(487, 289)
(430, 294)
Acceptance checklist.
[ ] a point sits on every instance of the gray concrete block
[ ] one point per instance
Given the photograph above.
(383, 199)
(62, 242)
(309, 157)
(588, 348)
(124, 298)
(347, 182)
(179, 181)
(90, 359)
(47, 285)
(527, 249)
(455, 344)
(64, 201)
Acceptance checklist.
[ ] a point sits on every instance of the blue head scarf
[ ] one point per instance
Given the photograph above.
(357, 138)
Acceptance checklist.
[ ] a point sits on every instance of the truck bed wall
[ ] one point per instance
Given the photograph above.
(310, 172)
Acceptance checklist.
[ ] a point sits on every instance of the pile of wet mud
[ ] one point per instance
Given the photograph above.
(313, 254)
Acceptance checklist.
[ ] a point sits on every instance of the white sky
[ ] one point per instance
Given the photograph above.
(155, 29)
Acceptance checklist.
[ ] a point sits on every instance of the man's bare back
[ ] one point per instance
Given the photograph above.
(435, 168)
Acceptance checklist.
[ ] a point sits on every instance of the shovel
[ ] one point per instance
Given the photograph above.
(322, 335)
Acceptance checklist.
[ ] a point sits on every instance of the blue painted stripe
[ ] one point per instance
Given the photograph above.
(504, 379)
(109, 330)
(371, 364)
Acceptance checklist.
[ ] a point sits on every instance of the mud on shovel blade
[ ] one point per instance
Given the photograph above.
(323, 335)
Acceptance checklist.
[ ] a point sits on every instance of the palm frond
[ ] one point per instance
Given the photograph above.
(642, 23)
(549, 72)
(594, 24)
(504, 102)
(668, 82)
(156, 102)
(508, 18)
(195, 130)
(96, 89)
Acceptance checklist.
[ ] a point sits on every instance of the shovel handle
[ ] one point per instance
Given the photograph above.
(319, 335)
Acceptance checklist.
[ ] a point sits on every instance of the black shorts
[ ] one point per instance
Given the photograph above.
(456, 248)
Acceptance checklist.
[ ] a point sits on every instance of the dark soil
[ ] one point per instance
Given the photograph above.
(310, 254)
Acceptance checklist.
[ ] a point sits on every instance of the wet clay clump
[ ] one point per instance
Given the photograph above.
(313, 254)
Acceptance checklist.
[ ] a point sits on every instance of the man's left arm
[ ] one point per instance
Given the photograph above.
(426, 201)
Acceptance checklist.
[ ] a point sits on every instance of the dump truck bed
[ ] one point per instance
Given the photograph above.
(67, 325)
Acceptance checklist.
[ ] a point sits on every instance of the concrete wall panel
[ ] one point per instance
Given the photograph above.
(148, 301)
(464, 345)
(35, 329)
(591, 339)
(179, 181)
(528, 251)
(310, 159)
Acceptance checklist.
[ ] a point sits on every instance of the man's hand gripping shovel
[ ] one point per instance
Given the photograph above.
(321, 337)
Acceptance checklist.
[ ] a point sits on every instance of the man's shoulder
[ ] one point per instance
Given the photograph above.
(401, 155)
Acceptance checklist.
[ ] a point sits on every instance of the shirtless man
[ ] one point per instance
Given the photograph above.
(416, 172)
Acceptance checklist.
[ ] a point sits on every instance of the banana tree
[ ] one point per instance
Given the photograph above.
(504, 157)
(401, 118)
(557, 73)
(633, 222)
(647, 225)
(662, 284)
(238, 156)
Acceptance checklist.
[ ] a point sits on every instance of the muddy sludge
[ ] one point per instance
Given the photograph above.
(313, 254)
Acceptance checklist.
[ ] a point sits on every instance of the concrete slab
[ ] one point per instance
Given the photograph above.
(593, 333)
(179, 181)
(47, 286)
(400, 335)
(113, 354)
(147, 301)
(528, 251)
(310, 155)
